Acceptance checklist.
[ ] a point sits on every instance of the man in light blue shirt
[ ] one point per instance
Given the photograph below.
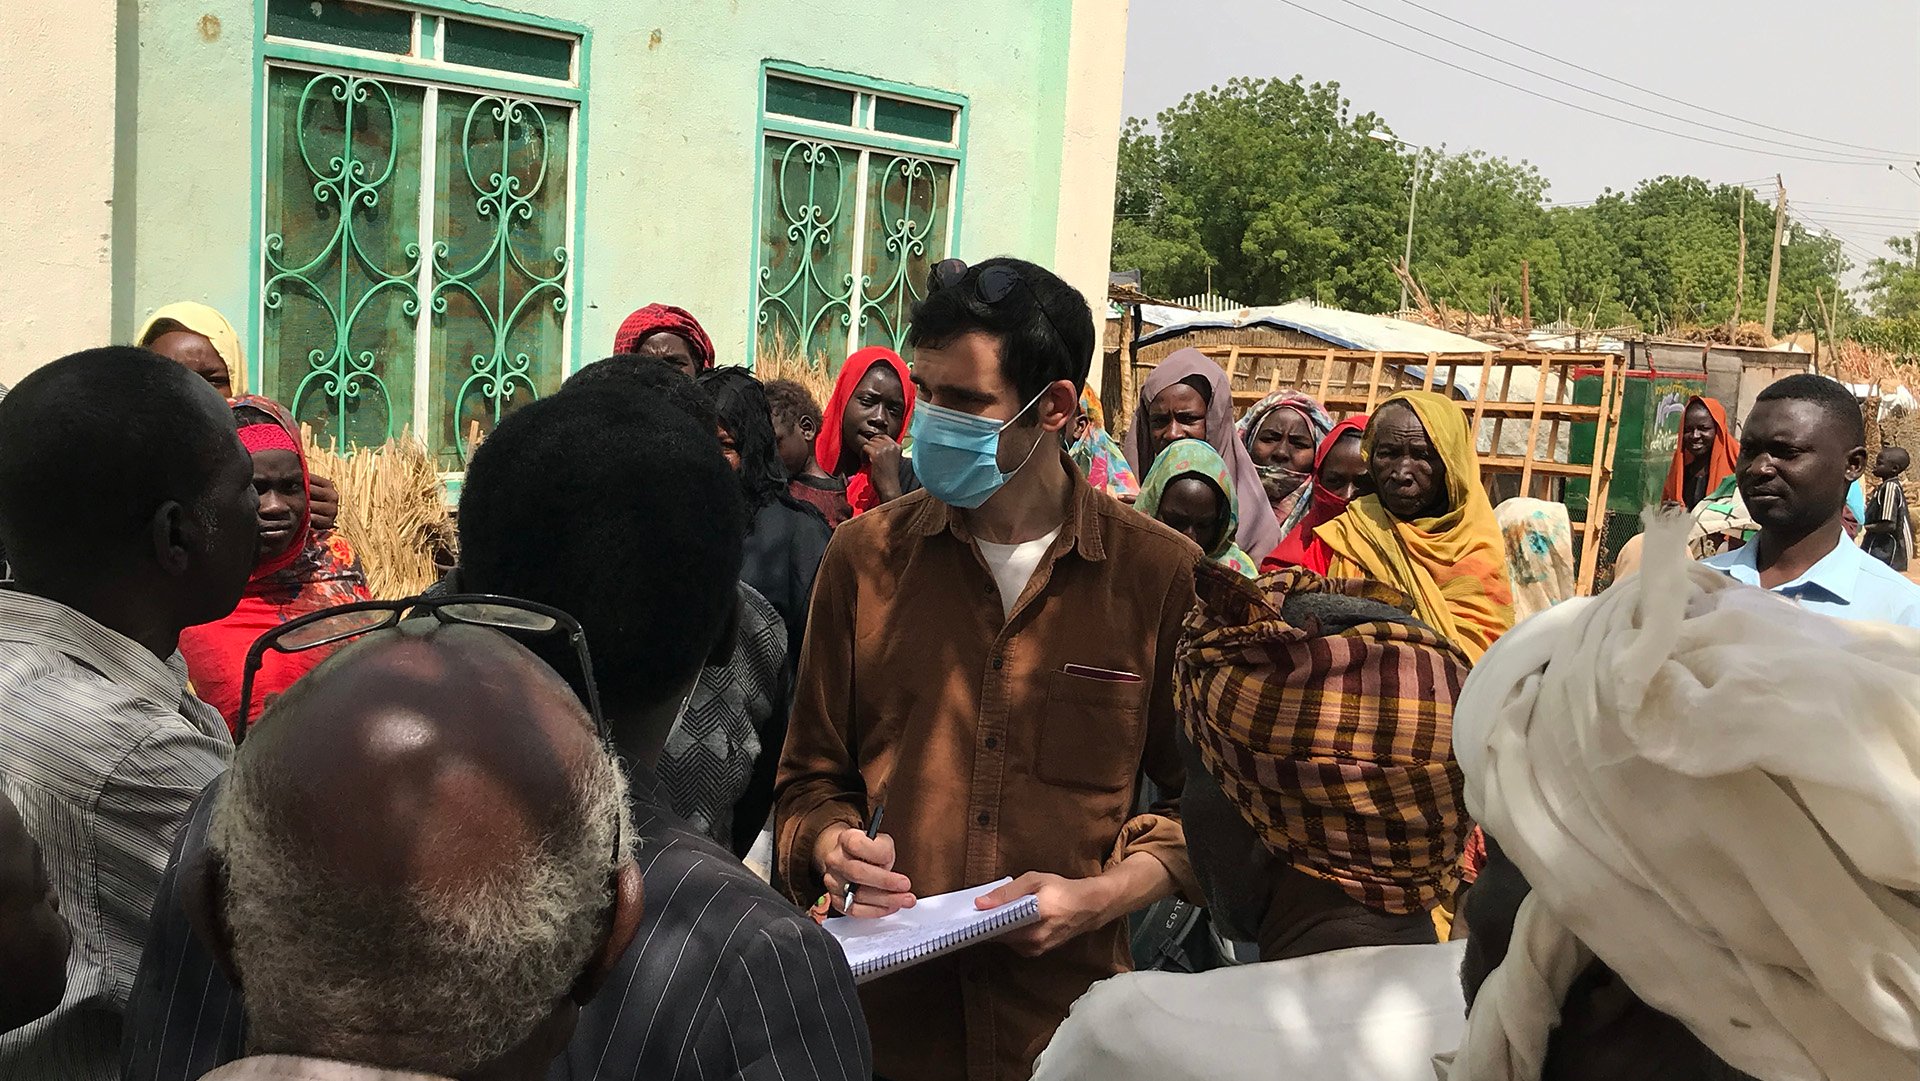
(1801, 448)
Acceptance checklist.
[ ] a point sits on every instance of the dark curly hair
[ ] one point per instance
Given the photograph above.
(741, 403)
(611, 502)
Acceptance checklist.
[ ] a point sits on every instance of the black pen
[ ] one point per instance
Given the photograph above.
(873, 830)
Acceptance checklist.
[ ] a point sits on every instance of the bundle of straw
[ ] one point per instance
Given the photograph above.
(393, 511)
(785, 360)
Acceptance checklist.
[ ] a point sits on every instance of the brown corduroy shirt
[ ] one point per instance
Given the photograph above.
(991, 757)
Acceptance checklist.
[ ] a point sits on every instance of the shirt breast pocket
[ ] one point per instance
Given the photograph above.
(1090, 734)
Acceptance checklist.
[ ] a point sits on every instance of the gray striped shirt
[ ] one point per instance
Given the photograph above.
(103, 749)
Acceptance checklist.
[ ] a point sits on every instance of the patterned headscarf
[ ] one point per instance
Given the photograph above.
(1195, 458)
(665, 318)
(1098, 456)
(1293, 506)
(1335, 747)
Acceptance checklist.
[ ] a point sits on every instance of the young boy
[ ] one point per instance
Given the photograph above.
(796, 424)
(1888, 536)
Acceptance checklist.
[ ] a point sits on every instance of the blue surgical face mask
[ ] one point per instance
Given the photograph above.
(957, 455)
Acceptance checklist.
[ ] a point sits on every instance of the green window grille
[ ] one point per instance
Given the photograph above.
(416, 250)
(851, 218)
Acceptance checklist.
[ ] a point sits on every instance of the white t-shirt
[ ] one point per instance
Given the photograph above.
(1375, 1013)
(1013, 565)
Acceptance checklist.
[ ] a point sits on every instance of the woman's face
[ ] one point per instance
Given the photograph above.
(283, 500)
(1178, 412)
(1285, 439)
(1408, 474)
(1697, 432)
(197, 354)
(1193, 508)
(729, 447)
(1344, 473)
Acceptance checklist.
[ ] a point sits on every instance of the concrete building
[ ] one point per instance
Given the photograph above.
(419, 213)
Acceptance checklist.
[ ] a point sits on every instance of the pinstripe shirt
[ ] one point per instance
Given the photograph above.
(103, 749)
(724, 979)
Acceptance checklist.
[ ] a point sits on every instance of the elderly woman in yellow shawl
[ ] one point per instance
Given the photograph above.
(1428, 530)
(201, 340)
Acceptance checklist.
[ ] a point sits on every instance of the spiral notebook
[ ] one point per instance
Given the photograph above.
(935, 926)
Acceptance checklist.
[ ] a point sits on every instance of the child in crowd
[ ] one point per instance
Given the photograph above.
(796, 424)
(1888, 536)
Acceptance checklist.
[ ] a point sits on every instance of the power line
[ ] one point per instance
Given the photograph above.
(1560, 101)
(1603, 95)
(1651, 93)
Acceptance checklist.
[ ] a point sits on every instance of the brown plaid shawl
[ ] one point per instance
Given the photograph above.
(1337, 748)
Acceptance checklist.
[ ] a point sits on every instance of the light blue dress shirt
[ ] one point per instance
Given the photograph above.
(1847, 583)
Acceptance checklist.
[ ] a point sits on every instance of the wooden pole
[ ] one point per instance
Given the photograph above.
(1779, 228)
(1526, 298)
(1740, 271)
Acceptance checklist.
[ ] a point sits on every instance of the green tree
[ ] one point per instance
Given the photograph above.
(1274, 185)
(1892, 293)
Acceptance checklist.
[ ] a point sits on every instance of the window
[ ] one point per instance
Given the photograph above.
(418, 196)
(858, 198)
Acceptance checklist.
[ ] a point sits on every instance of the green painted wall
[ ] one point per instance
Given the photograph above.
(671, 149)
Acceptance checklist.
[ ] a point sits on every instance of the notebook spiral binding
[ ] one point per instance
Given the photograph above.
(1024, 911)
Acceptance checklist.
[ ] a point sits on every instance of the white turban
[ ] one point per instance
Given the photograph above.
(1717, 794)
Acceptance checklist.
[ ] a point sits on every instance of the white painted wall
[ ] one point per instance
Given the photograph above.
(57, 77)
(1096, 69)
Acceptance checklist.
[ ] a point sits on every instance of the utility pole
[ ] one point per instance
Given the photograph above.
(1740, 273)
(1779, 227)
(1406, 261)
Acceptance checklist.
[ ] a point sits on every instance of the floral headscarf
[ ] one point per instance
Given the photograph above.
(1195, 457)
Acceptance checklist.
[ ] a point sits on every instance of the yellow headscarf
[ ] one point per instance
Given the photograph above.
(210, 324)
(1453, 566)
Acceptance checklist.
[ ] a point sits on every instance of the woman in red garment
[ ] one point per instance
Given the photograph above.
(859, 437)
(300, 570)
(1339, 476)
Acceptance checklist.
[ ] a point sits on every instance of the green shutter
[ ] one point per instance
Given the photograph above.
(805, 276)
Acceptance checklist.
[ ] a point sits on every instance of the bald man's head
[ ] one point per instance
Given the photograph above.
(419, 846)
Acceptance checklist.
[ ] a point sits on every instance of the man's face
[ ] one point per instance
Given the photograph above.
(224, 539)
(1795, 467)
(670, 347)
(964, 375)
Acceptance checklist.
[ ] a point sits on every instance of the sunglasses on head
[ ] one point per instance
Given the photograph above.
(993, 284)
(332, 626)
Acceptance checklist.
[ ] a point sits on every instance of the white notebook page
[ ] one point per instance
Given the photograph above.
(934, 926)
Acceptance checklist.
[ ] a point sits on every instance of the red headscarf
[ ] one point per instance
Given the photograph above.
(826, 448)
(657, 318)
(1720, 458)
(316, 571)
(1303, 547)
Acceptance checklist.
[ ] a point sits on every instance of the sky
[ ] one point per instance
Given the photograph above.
(1805, 75)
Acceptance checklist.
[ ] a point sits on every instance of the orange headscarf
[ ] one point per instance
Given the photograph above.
(1454, 566)
(1720, 459)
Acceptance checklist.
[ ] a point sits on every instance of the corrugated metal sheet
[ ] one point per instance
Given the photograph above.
(1345, 329)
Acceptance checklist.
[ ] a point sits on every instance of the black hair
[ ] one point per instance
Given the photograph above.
(1831, 396)
(93, 443)
(613, 504)
(1038, 345)
(742, 405)
(630, 373)
(791, 403)
(1897, 457)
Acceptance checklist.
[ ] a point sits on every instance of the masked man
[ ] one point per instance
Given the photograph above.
(991, 660)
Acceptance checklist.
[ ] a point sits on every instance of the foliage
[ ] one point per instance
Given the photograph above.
(1892, 292)
(1281, 191)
